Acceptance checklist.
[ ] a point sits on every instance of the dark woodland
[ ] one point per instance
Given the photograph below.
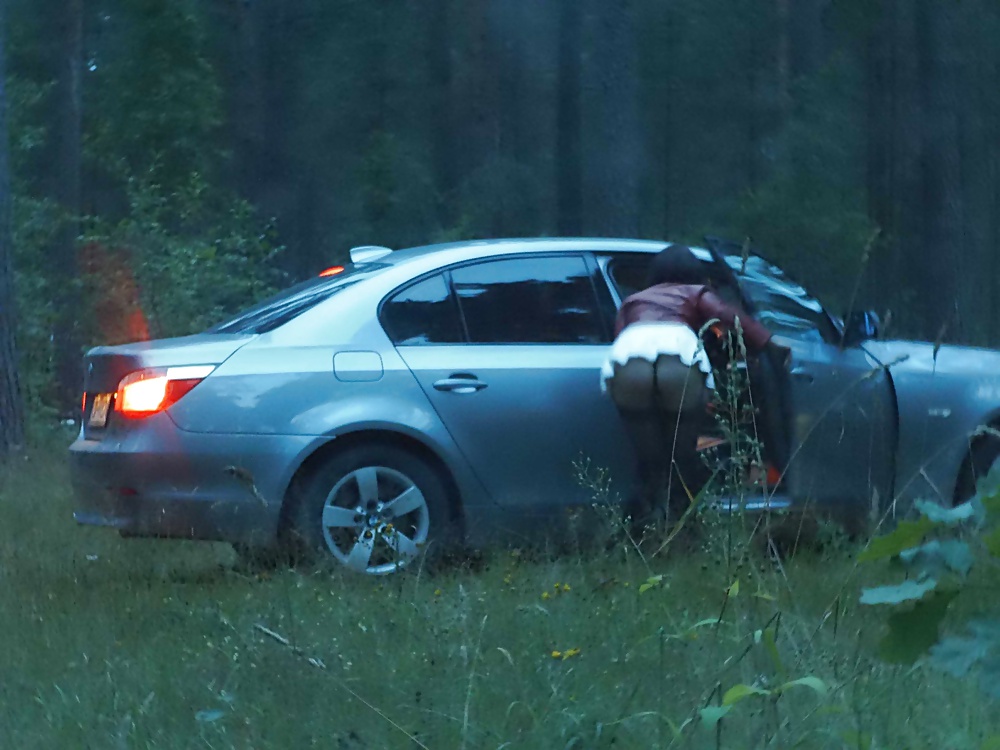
(169, 161)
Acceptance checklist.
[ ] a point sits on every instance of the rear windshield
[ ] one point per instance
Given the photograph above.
(292, 302)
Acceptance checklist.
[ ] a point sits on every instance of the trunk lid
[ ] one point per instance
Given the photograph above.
(105, 366)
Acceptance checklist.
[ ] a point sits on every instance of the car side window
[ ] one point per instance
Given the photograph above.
(783, 306)
(628, 273)
(422, 313)
(529, 300)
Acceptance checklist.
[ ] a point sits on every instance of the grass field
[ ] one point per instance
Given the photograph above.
(111, 643)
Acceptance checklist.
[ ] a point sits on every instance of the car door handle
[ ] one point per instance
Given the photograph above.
(800, 373)
(460, 384)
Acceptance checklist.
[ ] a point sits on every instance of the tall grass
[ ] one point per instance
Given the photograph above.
(112, 643)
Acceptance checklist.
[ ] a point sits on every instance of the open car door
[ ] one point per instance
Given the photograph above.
(839, 400)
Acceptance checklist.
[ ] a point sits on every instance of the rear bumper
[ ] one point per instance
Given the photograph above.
(158, 481)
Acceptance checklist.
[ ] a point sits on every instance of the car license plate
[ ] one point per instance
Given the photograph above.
(99, 411)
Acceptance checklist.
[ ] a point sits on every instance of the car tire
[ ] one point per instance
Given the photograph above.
(373, 508)
(982, 456)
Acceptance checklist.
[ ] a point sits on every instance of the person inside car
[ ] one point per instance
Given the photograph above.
(659, 375)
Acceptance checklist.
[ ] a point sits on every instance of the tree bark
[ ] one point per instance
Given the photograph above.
(11, 404)
(249, 137)
(880, 118)
(440, 53)
(69, 107)
(569, 184)
(783, 67)
(942, 261)
(615, 142)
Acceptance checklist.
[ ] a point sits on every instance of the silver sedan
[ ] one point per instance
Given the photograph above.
(447, 393)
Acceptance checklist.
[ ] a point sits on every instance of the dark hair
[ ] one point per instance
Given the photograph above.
(677, 265)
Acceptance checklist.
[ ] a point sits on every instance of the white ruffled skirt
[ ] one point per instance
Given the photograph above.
(650, 340)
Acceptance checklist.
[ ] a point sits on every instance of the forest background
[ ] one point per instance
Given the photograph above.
(171, 161)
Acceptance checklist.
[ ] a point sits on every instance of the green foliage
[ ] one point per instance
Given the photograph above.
(905, 535)
(913, 631)
(806, 215)
(169, 249)
(904, 592)
(936, 556)
(914, 627)
(154, 103)
(940, 515)
(196, 255)
(958, 655)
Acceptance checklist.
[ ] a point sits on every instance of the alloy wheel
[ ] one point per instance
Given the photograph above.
(375, 519)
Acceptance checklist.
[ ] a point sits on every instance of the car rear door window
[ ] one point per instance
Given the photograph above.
(541, 300)
(629, 272)
(423, 313)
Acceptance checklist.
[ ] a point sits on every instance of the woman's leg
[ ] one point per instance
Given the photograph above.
(682, 396)
(631, 388)
(687, 475)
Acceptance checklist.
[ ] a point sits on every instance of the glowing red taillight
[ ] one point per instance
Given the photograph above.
(145, 392)
(331, 271)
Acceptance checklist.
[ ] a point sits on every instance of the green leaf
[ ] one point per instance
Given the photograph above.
(989, 677)
(854, 739)
(914, 631)
(957, 655)
(992, 542)
(738, 692)
(934, 557)
(651, 582)
(771, 645)
(712, 715)
(948, 516)
(814, 683)
(988, 489)
(904, 592)
(690, 633)
(734, 589)
(907, 534)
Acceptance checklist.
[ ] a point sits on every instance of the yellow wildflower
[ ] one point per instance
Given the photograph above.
(437, 592)
(557, 654)
(570, 652)
(565, 587)
(545, 595)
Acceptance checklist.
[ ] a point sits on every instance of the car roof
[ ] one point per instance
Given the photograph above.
(472, 249)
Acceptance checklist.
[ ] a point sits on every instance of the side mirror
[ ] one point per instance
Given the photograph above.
(860, 326)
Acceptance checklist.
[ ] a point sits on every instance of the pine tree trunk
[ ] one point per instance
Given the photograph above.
(783, 59)
(249, 91)
(569, 183)
(11, 406)
(477, 96)
(942, 261)
(67, 131)
(614, 143)
(671, 88)
(440, 52)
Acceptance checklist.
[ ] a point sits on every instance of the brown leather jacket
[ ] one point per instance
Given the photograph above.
(693, 305)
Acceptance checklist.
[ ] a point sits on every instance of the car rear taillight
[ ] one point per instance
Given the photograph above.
(145, 392)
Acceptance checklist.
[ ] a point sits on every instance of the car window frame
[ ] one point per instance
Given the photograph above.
(832, 336)
(409, 284)
(735, 279)
(590, 264)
